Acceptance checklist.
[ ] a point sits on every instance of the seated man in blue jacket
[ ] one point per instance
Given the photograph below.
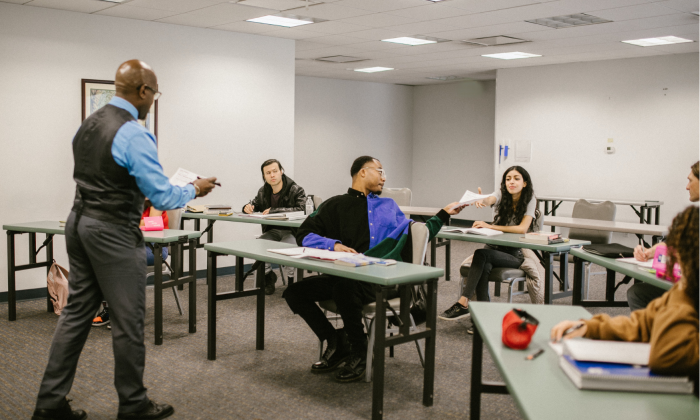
(358, 222)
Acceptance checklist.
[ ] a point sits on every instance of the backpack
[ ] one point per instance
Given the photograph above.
(57, 285)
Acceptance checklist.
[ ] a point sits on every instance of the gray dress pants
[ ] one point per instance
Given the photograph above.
(279, 235)
(107, 262)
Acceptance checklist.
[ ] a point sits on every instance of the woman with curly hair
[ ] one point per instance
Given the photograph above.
(516, 211)
(669, 323)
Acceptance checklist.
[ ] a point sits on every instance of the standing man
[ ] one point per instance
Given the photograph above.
(116, 164)
(358, 221)
(280, 194)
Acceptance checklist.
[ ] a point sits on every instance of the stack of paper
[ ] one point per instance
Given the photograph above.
(475, 231)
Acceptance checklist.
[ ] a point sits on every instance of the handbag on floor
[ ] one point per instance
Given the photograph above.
(57, 285)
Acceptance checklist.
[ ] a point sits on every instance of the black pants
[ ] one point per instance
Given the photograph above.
(484, 261)
(349, 296)
(107, 262)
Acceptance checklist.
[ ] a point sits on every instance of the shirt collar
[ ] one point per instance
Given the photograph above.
(125, 105)
(355, 193)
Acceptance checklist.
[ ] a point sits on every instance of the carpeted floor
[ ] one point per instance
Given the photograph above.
(247, 384)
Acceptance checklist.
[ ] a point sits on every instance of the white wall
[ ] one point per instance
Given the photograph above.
(227, 100)
(339, 120)
(453, 130)
(648, 106)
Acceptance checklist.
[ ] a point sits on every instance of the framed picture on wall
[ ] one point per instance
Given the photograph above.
(98, 93)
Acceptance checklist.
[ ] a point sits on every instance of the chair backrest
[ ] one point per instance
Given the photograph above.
(174, 217)
(419, 236)
(539, 221)
(601, 211)
(402, 196)
(317, 201)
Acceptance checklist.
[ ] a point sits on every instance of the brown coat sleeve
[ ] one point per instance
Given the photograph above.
(669, 324)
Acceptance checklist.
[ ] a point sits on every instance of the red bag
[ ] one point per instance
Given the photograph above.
(518, 329)
(57, 284)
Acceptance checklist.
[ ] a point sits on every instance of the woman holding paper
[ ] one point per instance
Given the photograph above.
(669, 323)
(516, 210)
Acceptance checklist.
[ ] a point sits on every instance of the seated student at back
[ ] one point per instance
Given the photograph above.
(669, 323)
(516, 211)
(279, 194)
(102, 318)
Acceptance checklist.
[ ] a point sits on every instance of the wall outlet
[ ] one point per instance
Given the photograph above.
(610, 150)
(610, 140)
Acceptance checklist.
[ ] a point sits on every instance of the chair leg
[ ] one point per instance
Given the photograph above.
(370, 352)
(497, 289)
(419, 343)
(177, 300)
(510, 292)
(284, 278)
(586, 280)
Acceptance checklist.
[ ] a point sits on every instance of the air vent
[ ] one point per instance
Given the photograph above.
(569, 21)
(341, 59)
(447, 78)
(491, 41)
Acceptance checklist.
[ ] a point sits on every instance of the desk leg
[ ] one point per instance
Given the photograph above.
(379, 352)
(11, 293)
(656, 218)
(579, 273)
(564, 271)
(260, 318)
(211, 304)
(193, 286)
(240, 272)
(448, 253)
(430, 324)
(49, 262)
(610, 286)
(433, 250)
(548, 261)
(158, 291)
(477, 356)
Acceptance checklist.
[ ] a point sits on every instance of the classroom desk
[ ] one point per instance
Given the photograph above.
(540, 388)
(382, 278)
(544, 252)
(174, 238)
(655, 231)
(612, 266)
(646, 207)
(425, 213)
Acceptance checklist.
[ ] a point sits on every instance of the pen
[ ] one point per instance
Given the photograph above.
(535, 354)
(572, 329)
(216, 183)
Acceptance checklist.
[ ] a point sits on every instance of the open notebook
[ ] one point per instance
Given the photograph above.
(475, 231)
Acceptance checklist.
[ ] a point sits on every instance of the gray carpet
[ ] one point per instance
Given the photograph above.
(247, 384)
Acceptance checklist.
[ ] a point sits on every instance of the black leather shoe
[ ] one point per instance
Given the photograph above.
(354, 368)
(153, 411)
(61, 413)
(270, 280)
(337, 351)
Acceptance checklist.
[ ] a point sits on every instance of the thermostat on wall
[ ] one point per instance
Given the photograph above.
(610, 150)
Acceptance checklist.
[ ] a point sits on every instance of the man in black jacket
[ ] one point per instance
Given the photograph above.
(280, 194)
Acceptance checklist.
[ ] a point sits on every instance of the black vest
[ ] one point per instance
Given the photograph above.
(105, 191)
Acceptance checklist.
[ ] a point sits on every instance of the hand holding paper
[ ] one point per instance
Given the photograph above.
(470, 197)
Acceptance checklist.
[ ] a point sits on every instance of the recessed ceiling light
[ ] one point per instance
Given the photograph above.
(341, 59)
(373, 69)
(491, 41)
(415, 40)
(652, 42)
(288, 21)
(568, 21)
(511, 55)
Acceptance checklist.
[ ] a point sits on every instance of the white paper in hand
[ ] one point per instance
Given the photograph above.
(471, 197)
(183, 177)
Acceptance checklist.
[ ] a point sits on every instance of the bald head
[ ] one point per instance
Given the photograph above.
(137, 83)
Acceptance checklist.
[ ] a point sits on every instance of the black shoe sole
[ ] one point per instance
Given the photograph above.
(353, 379)
(165, 414)
(457, 318)
(52, 418)
(330, 368)
(99, 324)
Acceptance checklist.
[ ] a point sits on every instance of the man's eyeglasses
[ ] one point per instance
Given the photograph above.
(381, 171)
(156, 94)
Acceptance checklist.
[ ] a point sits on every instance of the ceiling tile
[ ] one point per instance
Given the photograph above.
(429, 12)
(133, 12)
(194, 20)
(493, 30)
(516, 14)
(378, 34)
(180, 6)
(232, 12)
(678, 48)
(335, 27)
(303, 45)
(487, 6)
(84, 6)
(381, 5)
(336, 39)
(379, 20)
(331, 11)
(273, 4)
(328, 51)
(291, 33)
(423, 28)
(634, 12)
(246, 27)
(681, 5)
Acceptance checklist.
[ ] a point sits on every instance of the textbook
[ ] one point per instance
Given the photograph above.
(196, 209)
(543, 240)
(587, 350)
(475, 231)
(285, 216)
(312, 253)
(621, 377)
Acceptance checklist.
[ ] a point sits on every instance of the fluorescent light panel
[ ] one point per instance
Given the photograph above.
(511, 55)
(286, 21)
(407, 40)
(373, 69)
(652, 42)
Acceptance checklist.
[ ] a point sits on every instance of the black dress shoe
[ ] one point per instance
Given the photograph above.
(153, 411)
(62, 413)
(354, 368)
(270, 280)
(337, 350)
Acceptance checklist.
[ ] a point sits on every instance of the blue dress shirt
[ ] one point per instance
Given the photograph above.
(134, 148)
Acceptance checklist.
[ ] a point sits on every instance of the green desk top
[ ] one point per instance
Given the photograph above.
(509, 239)
(256, 249)
(542, 390)
(623, 268)
(53, 227)
(243, 219)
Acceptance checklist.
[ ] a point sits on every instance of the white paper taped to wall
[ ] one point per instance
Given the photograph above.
(523, 150)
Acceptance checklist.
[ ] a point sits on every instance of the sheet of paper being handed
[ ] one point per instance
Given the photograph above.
(470, 197)
(183, 177)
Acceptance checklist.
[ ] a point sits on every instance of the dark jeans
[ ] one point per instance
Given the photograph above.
(640, 294)
(349, 296)
(150, 259)
(484, 261)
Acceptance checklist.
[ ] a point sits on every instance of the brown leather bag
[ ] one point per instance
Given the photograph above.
(57, 284)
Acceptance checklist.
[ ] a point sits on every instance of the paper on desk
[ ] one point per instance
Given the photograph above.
(183, 177)
(645, 264)
(304, 252)
(471, 197)
(557, 347)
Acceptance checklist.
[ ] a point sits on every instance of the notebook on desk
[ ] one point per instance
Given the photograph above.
(474, 231)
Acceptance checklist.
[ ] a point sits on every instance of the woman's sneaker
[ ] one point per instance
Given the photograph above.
(456, 311)
(101, 319)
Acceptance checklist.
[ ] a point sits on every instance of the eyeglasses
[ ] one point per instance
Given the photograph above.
(381, 171)
(156, 94)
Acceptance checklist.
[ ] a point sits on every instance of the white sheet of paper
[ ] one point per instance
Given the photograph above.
(305, 252)
(470, 197)
(646, 264)
(183, 177)
(557, 347)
